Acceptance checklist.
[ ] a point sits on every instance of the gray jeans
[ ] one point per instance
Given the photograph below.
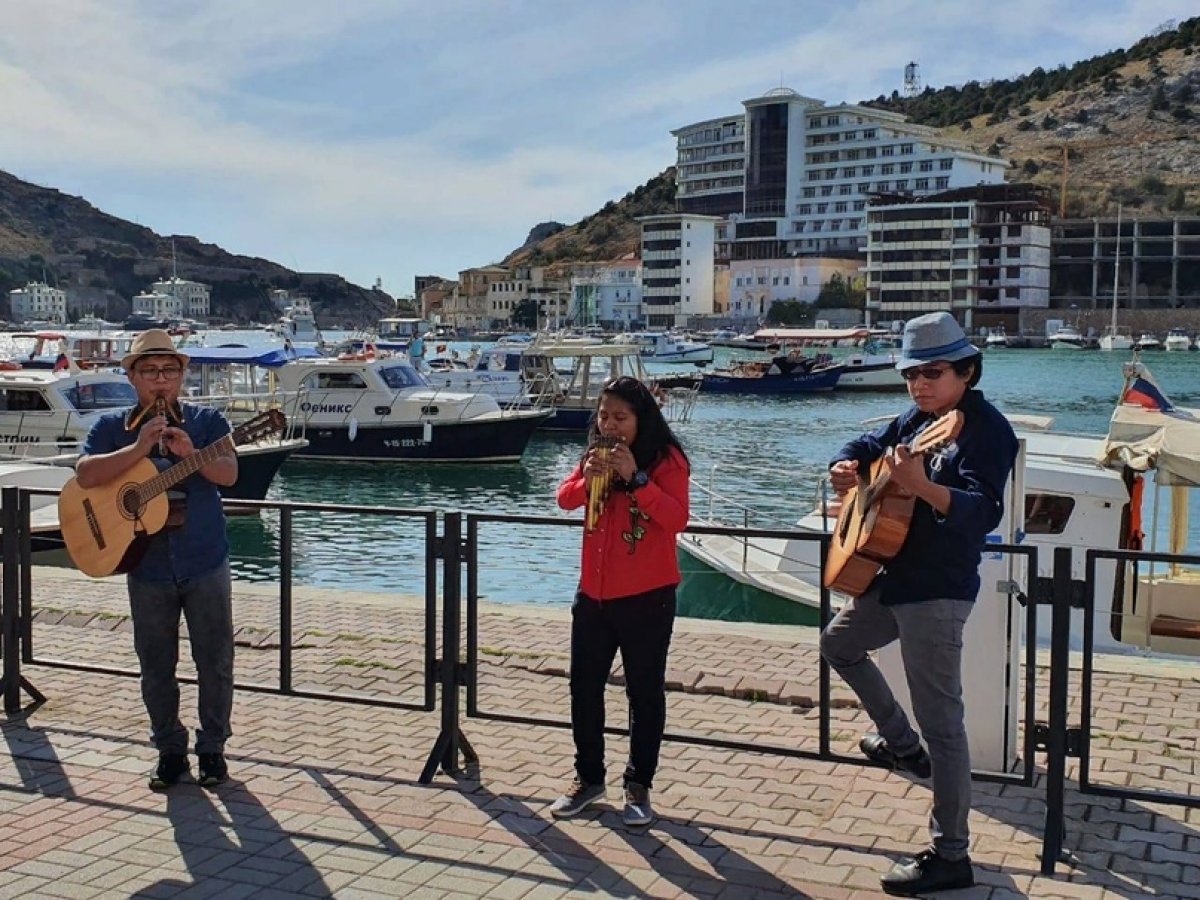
(206, 604)
(931, 641)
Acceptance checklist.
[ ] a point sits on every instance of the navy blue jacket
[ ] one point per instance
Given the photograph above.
(200, 545)
(940, 557)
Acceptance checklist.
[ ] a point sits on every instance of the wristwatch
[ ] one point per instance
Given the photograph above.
(640, 480)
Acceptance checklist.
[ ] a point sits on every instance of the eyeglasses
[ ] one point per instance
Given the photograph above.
(929, 373)
(167, 373)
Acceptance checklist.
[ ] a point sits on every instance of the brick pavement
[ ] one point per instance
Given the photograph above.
(325, 801)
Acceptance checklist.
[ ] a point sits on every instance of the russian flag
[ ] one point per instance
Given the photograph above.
(1145, 393)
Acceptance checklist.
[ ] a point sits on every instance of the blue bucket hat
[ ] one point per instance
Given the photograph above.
(935, 337)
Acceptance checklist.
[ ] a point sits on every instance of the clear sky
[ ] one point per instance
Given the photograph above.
(387, 138)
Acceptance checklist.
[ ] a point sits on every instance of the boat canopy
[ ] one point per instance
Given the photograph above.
(1166, 441)
(813, 334)
(271, 358)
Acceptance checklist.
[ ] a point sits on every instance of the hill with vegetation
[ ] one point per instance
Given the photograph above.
(103, 261)
(1129, 121)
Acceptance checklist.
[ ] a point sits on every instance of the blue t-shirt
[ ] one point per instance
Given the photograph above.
(200, 544)
(940, 556)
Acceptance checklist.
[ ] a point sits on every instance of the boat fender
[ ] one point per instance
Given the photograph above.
(352, 431)
(427, 432)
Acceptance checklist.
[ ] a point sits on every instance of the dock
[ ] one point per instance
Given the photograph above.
(324, 798)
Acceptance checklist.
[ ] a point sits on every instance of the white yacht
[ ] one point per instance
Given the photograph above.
(1177, 339)
(1116, 338)
(1066, 338)
(298, 324)
(1147, 341)
(997, 339)
(664, 347)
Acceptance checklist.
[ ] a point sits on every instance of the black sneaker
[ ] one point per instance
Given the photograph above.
(213, 769)
(171, 767)
(579, 796)
(927, 873)
(917, 763)
(638, 812)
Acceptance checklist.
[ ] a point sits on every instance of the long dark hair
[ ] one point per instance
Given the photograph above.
(654, 436)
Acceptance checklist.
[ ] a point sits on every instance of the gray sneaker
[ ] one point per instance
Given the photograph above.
(638, 811)
(579, 796)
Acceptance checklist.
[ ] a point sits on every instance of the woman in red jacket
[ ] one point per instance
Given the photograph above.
(626, 596)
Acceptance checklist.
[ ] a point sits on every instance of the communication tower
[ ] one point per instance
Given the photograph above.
(912, 80)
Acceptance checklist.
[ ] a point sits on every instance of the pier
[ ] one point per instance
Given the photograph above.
(324, 796)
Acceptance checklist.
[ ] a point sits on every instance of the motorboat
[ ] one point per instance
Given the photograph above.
(997, 339)
(1177, 339)
(1116, 338)
(46, 415)
(381, 408)
(787, 374)
(1067, 337)
(664, 347)
(1075, 491)
(298, 323)
(1147, 341)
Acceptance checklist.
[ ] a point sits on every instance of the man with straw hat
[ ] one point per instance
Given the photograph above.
(185, 568)
(925, 593)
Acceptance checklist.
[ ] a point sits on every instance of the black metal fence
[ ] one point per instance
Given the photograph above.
(457, 545)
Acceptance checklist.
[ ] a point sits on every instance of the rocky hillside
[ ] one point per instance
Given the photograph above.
(103, 261)
(1130, 120)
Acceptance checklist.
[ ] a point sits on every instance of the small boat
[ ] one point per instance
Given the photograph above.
(664, 347)
(1147, 341)
(997, 339)
(1067, 337)
(298, 324)
(788, 374)
(1177, 339)
(1116, 338)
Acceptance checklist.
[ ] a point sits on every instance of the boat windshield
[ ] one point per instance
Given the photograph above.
(87, 397)
(397, 377)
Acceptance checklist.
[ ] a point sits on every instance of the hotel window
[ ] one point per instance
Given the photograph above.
(832, 120)
(926, 165)
(868, 170)
(831, 173)
(905, 168)
(822, 208)
(835, 225)
(845, 189)
(816, 157)
(850, 172)
(850, 136)
(941, 183)
(881, 185)
(775, 281)
(887, 150)
(827, 190)
(869, 134)
(804, 209)
(887, 169)
(814, 123)
(839, 207)
(860, 205)
(853, 224)
(814, 176)
(869, 153)
(864, 186)
(902, 184)
(786, 280)
(850, 154)
(906, 149)
(945, 164)
(809, 192)
(922, 184)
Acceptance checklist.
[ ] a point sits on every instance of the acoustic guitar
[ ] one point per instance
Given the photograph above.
(105, 528)
(875, 515)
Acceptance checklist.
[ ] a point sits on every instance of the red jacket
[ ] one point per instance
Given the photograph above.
(614, 563)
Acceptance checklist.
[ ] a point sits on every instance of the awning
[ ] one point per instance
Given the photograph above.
(1166, 441)
(271, 358)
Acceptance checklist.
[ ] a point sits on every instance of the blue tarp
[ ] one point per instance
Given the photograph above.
(271, 358)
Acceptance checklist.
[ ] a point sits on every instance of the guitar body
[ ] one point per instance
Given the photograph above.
(867, 535)
(875, 516)
(105, 527)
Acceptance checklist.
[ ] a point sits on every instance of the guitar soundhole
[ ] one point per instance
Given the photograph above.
(131, 503)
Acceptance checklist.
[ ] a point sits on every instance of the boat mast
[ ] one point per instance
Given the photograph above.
(1116, 274)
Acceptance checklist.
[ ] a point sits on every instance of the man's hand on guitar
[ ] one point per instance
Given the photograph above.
(906, 470)
(843, 475)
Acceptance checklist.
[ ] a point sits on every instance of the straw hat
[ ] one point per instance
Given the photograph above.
(152, 342)
(935, 337)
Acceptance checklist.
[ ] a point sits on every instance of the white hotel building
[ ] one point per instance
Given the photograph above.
(677, 268)
(195, 296)
(792, 175)
(608, 294)
(38, 302)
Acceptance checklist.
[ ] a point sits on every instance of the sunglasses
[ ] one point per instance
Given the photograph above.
(929, 373)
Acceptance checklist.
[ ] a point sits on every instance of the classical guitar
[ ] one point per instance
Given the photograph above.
(105, 527)
(873, 521)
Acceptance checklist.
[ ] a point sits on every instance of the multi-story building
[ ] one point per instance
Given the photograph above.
(468, 307)
(159, 306)
(195, 296)
(971, 252)
(529, 283)
(755, 284)
(38, 302)
(1157, 266)
(677, 268)
(608, 294)
(794, 175)
(433, 299)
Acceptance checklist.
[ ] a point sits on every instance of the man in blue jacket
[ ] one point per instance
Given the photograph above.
(185, 568)
(923, 596)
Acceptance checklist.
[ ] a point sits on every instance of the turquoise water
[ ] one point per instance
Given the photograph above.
(763, 456)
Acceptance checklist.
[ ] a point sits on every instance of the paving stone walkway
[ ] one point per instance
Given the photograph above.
(324, 799)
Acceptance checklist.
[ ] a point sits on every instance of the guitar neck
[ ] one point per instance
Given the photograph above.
(167, 479)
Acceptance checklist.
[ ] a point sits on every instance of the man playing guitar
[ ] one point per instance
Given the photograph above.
(925, 593)
(185, 568)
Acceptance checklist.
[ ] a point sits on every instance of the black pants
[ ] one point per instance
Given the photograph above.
(640, 627)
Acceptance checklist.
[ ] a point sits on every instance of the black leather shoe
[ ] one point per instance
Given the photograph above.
(876, 748)
(171, 767)
(926, 874)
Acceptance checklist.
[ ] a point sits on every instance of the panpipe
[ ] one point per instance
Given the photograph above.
(599, 485)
